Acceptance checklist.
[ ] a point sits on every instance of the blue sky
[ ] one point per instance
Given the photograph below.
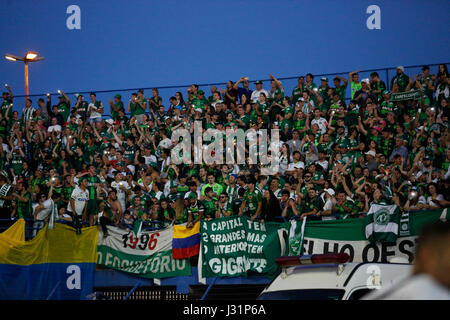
(133, 44)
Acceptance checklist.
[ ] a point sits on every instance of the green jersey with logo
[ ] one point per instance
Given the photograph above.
(91, 187)
(64, 110)
(252, 199)
(297, 93)
(17, 164)
(195, 209)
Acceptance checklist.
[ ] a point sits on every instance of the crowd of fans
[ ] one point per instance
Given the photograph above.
(336, 158)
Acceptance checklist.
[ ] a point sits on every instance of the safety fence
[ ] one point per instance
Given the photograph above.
(32, 226)
(165, 92)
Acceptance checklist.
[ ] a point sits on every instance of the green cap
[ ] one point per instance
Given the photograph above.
(192, 195)
(201, 92)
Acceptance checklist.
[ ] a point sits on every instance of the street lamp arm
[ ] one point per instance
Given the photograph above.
(37, 59)
(13, 57)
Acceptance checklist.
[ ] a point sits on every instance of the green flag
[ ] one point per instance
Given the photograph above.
(410, 95)
(295, 236)
(382, 223)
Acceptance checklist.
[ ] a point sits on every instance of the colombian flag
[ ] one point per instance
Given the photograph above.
(186, 241)
(57, 264)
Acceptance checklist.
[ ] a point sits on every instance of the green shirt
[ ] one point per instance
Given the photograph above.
(24, 209)
(210, 208)
(252, 199)
(91, 188)
(4, 107)
(138, 109)
(341, 91)
(217, 188)
(64, 110)
(118, 106)
(402, 81)
(297, 93)
(17, 164)
(355, 87)
(82, 109)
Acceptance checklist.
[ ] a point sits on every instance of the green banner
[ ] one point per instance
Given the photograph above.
(237, 246)
(348, 236)
(147, 255)
(410, 95)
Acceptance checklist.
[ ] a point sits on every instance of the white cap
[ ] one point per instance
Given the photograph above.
(330, 191)
(401, 68)
(366, 80)
(371, 153)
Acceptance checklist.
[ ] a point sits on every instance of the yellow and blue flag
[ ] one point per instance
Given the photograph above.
(57, 264)
(186, 241)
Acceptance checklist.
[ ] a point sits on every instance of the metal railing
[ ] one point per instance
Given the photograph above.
(165, 92)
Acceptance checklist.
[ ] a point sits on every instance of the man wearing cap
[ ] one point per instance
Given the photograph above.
(116, 106)
(200, 102)
(259, 89)
(401, 79)
(329, 201)
(323, 88)
(371, 163)
(363, 94)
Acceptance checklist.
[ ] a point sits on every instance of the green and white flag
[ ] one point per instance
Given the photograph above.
(410, 95)
(382, 223)
(296, 234)
(148, 255)
(236, 246)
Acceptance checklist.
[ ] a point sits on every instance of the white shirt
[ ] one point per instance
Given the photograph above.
(256, 93)
(324, 164)
(46, 211)
(94, 113)
(120, 193)
(296, 165)
(418, 287)
(322, 123)
(80, 198)
(56, 127)
(440, 197)
(149, 159)
(327, 206)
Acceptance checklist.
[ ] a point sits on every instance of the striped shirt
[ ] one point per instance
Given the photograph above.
(27, 114)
